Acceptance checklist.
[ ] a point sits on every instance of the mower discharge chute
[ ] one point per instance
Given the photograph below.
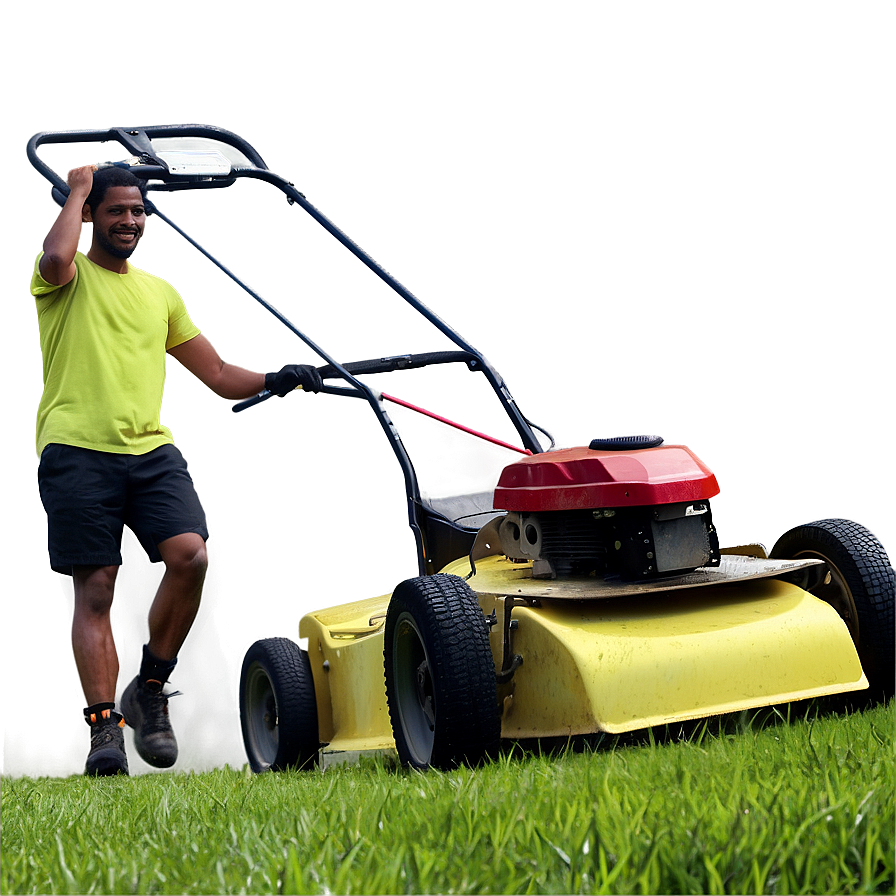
(585, 591)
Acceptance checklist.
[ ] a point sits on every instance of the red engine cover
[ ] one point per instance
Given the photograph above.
(580, 479)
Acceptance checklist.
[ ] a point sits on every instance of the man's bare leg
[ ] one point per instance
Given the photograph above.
(97, 662)
(171, 616)
(180, 591)
(92, 641)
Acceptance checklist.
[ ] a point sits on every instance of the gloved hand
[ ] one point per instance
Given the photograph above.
(290, 377)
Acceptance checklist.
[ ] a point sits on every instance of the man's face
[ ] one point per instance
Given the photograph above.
(118, 221)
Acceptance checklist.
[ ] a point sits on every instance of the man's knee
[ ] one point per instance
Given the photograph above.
(185, 555)
(94, 588)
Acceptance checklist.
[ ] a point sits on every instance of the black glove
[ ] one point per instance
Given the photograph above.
(290, 377)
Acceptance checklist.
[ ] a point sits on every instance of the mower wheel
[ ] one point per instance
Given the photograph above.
(278, 710)
(440, 675)
(859, 585)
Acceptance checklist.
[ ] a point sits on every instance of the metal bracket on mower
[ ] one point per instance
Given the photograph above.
(511, 661)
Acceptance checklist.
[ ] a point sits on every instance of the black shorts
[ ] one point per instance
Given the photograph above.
(90, 496)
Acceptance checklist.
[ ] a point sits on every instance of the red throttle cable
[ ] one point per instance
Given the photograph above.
(472, 432)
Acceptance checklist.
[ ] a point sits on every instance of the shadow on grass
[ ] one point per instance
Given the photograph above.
(698, 730)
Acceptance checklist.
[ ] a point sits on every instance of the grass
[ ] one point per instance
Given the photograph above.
(741, 805)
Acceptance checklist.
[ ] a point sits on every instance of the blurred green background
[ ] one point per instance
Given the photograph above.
(664, 216)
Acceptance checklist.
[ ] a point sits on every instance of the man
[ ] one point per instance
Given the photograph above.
(105, 459)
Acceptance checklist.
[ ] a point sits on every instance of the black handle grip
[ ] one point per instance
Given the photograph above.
(249, 402)
(399, 362)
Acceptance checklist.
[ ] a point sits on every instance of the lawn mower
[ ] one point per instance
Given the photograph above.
(584, 590)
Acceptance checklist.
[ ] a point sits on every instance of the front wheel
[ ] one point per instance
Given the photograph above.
(859, 585)
(278, 709)
(440, 676)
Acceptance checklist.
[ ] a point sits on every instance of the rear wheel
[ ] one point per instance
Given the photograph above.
(278, 710)
(859, 585)
(440, 676)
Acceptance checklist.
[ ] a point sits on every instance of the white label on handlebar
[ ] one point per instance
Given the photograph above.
(195, 162)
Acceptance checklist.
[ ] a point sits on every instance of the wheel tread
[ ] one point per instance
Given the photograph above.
(289, 672)
(866, 568)
(468, 726)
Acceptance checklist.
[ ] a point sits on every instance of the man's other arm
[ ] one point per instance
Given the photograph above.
(198, 355)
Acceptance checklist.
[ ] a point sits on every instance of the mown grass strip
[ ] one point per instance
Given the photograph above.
(743, 805)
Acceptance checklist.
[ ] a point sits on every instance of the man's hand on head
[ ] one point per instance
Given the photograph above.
(57, 264)
(80, 180)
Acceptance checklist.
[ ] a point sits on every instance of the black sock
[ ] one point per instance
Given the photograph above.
(97, 712)
(154, 669)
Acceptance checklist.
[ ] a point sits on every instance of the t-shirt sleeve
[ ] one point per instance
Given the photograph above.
(180, 328)
(41, 287)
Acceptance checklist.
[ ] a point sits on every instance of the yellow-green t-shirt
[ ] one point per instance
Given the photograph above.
(104, 337)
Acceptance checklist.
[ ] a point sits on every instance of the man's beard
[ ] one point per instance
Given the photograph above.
(115, 251)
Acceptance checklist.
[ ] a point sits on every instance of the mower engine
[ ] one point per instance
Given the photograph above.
(628, 507)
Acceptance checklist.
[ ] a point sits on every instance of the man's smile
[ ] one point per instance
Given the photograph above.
(127, 237)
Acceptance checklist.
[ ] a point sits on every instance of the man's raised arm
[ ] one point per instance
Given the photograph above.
(57, 264)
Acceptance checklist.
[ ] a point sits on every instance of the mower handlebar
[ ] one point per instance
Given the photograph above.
(400, 362)
(148, 159)
(137, 141)
(377, 365)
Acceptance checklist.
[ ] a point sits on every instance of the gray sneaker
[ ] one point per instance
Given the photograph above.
(145, 709)
(106, 756)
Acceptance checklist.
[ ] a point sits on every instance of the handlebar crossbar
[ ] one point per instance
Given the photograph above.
(375, 365)
(401, 362)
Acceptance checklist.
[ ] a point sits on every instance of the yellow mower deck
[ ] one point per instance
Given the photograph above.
(628, 663)
(592, 664)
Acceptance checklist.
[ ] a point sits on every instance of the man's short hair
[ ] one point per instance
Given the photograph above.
(112, 177)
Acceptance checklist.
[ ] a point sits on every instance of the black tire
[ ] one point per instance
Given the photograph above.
(278, 710)
(440, 675)
(859, 585)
